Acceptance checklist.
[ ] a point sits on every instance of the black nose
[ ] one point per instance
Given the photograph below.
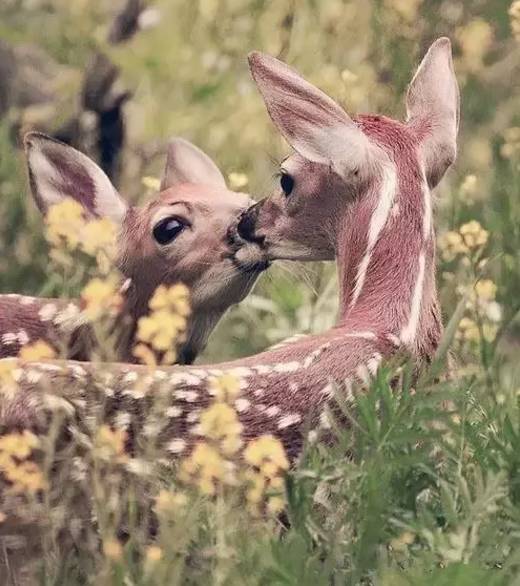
(247, 223)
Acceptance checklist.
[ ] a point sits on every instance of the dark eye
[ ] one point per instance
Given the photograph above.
(168, 229)
(287, 183)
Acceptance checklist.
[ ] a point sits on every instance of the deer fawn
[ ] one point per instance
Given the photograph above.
(356, 189)
(181, 235)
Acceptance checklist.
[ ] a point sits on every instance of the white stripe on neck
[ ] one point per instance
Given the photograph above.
(377, 223)
(409, 332)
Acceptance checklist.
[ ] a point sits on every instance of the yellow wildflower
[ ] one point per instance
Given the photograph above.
(220, 422)
(514, 13)
(101, 297)
(170, 502)
(468, 330)
(25, 477)
(112, 549)
(237, 180)
(64, 223)
(511, 146)
(38, 350)
(110, 443)
(407, 9)
(153, 554)
(275, 504)
(225, 387)
(19, 445)
(151, 183)
(145, 355)
(266, 449)
(206, 466)
(473, 234)
(99, 235)
(8, 367)
(174, 298)
(475, 40)
(485, 290)
(452, 244)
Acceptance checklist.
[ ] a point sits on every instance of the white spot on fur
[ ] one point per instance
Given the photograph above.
(409, 332)
(288, 420)
(200, 372)
(373, 363)
(287, 366)
(377, 223)
(176, 446)
(9, 338)
(363, 335)
(241, 371)
(242, 405)
(327, 390)
(263, 369)
(427, 214)
(193, 416)
(47, 311)
(130, 376)
(122, 420)
(259, 392)
(286, 341)
(393, 340)
(173, 411)
(33, 376)
(27, 300)
(363, 374)
(272, 411)
(23, 338)
(185, 395)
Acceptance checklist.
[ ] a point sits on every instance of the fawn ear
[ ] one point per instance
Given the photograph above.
(185, 163)
(58, 171)
(312, 123)
(432, 106)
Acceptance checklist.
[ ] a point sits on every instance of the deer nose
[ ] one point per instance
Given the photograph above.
(247, 223)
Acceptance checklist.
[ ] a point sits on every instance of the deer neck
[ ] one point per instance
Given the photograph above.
(386, 260)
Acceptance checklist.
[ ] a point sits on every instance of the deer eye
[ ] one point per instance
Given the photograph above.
(167, 229)
(286, 183)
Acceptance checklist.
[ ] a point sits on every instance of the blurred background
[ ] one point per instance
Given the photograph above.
(117, 78)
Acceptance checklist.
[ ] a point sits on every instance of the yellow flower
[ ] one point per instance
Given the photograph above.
(485, 290)
(468, 330)
(110, 443)
(237, 180)
(473, 234)
(469, 186)
(514, 13)
(174, 298)
(170, 502)
(38, 350)
(19, 445)
(112, 549)
(99, 235)
(205, 466)
(275, 504)
(151, 183)
(145, 355)
(101, 297)
(475, 40)
(407, 9)
(225, 387)
(220, 422)
(452, 244)
(8, 367)
(511, 146)
(266, 449)
(153, 554)
(25, 477)
(64, 223)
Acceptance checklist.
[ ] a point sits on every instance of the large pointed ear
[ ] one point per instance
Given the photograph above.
(432, 106)
(185, 163)
(58, 171)
(312, 123)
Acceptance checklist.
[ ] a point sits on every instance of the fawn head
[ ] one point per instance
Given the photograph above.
(180, 235)
(330, 187)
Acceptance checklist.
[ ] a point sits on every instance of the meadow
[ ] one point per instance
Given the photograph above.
(430, 492)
